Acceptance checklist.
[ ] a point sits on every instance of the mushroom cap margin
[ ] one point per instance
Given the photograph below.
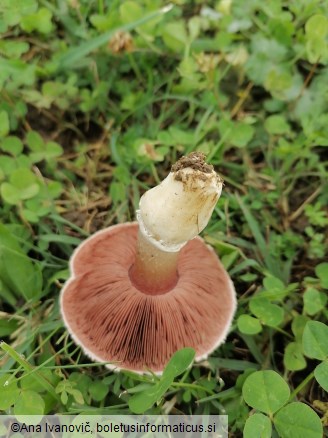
(208, 297)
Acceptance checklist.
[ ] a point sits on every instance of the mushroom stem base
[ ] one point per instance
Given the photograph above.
(154, 272)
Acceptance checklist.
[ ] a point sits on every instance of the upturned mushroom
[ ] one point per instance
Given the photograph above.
(140, 291)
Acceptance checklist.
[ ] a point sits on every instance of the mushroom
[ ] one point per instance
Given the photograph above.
(140, 291)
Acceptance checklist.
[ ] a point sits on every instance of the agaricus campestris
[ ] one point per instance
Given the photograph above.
(138, 292)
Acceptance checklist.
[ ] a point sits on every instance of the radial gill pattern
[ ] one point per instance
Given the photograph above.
(115, 322)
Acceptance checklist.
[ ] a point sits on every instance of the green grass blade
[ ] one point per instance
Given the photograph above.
(264, 249)
(233, 364)
(70, 58)
(29, 368)
(223, 395)
(253, 348)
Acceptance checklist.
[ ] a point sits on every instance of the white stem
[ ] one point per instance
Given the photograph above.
(180, 207)
(169, 216)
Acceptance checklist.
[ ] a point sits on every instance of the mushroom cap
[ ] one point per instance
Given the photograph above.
(115, 322)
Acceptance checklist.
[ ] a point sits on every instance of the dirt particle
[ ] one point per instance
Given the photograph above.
(195, 160)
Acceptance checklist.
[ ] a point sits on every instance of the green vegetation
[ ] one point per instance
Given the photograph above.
(97, 99)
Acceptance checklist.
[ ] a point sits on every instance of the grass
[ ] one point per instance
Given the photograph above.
(98, 99)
